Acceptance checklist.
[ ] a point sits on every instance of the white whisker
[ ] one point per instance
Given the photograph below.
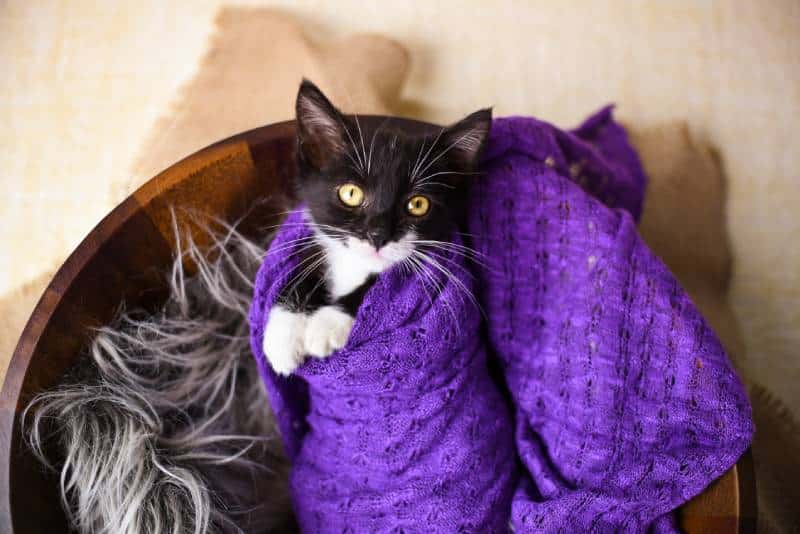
(424, 179)
(412, 172)
(446, 150)
(361, 137)
(455, 248)
(372, 143)
(417, 170)
(427, 154)
(439, 288)
(440, 184)
(411, 265)
(360, 164)
(313, 262)
(452, 277)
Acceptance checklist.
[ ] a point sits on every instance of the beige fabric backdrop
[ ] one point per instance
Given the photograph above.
(81, 84)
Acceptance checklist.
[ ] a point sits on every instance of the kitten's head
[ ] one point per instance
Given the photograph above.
(377, 193)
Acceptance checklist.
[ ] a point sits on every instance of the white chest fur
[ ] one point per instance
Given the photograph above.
(352, 260)
(348, 266)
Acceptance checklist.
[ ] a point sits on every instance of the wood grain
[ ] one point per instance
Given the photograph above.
(124, 259)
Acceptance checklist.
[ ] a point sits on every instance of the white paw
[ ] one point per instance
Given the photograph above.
(327, 330)
(283, 339)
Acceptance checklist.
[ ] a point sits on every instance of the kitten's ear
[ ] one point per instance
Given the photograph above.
(467, 138)
(320, 127)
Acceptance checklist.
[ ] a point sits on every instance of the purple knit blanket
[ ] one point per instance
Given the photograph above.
(586, 395)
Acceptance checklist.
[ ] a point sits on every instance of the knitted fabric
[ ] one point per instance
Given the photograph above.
(620, 404)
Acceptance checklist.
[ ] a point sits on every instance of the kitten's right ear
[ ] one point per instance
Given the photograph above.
(320, 127)
(466, 138)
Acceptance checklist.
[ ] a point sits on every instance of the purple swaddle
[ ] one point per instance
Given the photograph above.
(405, 427)
(615, 403)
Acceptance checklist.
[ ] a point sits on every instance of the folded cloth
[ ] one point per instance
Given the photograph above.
(622, 404)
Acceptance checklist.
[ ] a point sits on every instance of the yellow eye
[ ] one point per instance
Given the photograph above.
(351, 195)
(418, 206)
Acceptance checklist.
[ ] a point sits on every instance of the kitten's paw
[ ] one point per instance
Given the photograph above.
(283, 340)
(327, 330)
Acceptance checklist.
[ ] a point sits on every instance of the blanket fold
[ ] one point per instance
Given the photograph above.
(617, 402)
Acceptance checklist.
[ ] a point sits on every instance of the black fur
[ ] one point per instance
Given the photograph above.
(334, 149)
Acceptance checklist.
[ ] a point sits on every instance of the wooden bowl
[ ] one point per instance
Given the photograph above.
(124, 259)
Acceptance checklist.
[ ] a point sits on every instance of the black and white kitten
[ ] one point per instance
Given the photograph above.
(374, 198)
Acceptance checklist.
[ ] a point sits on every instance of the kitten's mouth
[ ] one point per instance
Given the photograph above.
(371, 253)
(363, 254)
(366, 249)
(383, 257)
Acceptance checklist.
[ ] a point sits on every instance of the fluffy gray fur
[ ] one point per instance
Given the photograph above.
(166, 427)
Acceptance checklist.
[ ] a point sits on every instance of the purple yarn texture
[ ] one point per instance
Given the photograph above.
(590, 395)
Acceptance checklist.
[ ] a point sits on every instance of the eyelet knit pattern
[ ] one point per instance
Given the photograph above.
(613, 402)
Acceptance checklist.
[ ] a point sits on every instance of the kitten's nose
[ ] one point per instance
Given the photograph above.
(377, 238)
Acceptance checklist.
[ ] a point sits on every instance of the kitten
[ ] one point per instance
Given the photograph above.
(375, 198)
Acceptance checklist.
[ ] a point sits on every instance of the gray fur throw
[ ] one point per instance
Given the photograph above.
(165, 426)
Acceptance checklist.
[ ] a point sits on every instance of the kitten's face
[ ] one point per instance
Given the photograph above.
(378, 194)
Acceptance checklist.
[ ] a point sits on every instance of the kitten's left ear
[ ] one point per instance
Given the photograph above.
(467, 138)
